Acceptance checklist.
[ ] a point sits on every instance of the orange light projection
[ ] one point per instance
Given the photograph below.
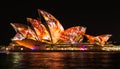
(52, 32)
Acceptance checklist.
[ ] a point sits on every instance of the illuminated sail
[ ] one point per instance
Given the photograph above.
(106, 36)
(18, 36)
(73, 34)
(40, 29)
(90, 38)
(54, 25)
(31, 44)
(31, 34)
(52, 32)
(24, 31)
(100, 40)
(21, 28)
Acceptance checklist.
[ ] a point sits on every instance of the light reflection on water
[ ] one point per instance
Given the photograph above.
(60, 60)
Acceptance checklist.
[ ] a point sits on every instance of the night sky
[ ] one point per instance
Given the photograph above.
(99, 18)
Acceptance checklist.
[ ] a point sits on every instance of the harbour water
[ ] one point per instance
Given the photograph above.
(60, 60)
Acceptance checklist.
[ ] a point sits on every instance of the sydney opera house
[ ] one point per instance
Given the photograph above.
(50, 31)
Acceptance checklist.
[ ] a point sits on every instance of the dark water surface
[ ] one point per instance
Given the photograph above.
(60, 60)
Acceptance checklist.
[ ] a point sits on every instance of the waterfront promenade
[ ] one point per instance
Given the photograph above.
(66, 47)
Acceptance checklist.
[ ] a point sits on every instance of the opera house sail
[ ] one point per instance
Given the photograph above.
(100, 40)
(53, 24)
(51, 32)
(24, 31)
(40, 29)
(73, 35)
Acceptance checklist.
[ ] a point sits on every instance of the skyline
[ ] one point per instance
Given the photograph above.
(98, 21)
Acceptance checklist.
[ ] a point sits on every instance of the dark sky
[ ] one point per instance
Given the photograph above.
(98, 17)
